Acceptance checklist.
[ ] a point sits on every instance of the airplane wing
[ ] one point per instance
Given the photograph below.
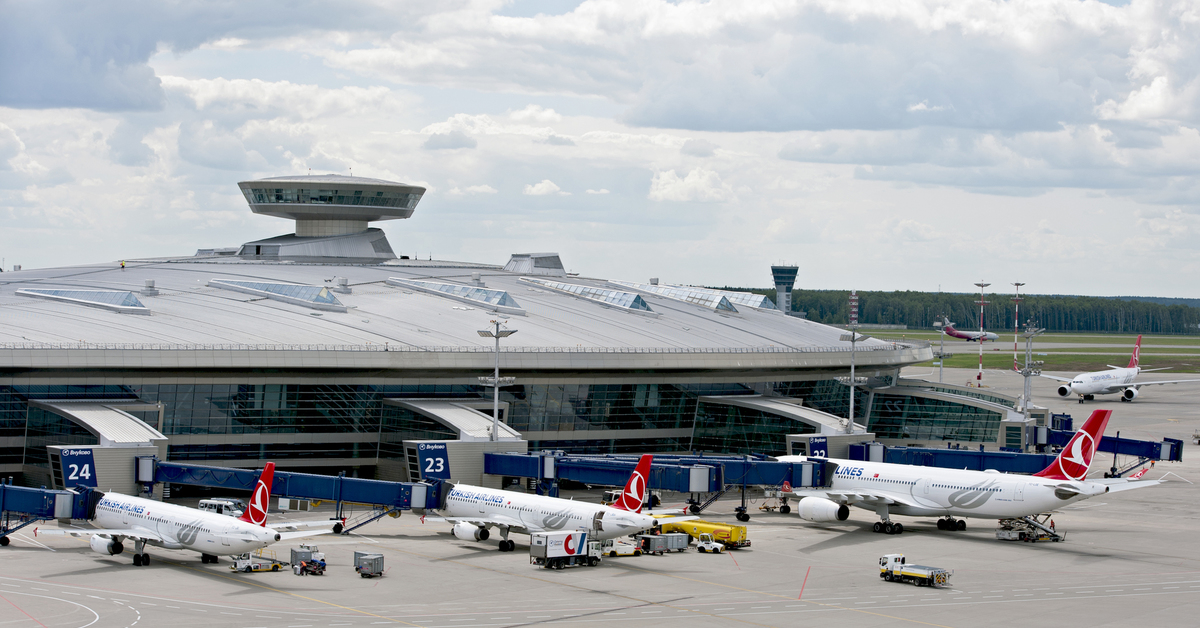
(514, 525)
(1057, 379)
(1159, 383)
(128, 533)
(850, 498)
(1116, 485)
(300, 525)
(284, 536)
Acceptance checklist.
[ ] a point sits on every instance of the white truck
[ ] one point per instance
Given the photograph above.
(614, 548)
(708, 544)
(893, 568)
(556, 550)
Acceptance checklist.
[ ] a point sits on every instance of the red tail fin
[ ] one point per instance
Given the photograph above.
(1137, 353)
(1073, 461)
(634, 494)
(256, 512)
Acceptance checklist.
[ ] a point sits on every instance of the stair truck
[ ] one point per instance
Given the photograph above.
(556, 550)
(893, 568)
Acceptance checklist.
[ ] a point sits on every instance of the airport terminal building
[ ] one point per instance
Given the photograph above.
(323, 351)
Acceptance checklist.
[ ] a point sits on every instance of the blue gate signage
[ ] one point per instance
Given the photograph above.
(78, 467)
(818, 447)
(434, 461)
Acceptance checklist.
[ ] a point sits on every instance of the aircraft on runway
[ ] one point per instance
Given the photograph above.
(969, 336)
(148, 522)
(1114, 380)
(472, 510)
(900, 489)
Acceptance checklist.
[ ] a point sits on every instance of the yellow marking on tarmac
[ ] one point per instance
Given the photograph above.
(583, 588)
(303, 597)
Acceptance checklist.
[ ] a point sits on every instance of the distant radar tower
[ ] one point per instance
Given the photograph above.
(332, 213)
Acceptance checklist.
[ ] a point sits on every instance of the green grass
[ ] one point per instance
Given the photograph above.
(1066, 362)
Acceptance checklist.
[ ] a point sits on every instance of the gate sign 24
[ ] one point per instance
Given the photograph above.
(434, 461)
(78, 467)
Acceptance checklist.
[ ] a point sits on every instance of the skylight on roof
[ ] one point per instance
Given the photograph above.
(712, 299)
(629, 301)
(497, 300)
(316, 297)
(112, 300)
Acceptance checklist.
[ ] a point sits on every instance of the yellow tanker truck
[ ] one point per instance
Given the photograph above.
(731, 536)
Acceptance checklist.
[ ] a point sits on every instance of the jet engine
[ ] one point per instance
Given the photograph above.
(1064, 391)
(470, 532)
(108, 547)
(820, 510)
(1130, 394)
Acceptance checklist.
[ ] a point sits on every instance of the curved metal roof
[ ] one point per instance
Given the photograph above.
(114, 428)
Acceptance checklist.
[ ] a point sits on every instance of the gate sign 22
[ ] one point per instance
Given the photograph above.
(78, 467)
(434, 461)
(818, 447)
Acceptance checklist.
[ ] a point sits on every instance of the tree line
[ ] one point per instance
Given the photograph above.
(918, 310)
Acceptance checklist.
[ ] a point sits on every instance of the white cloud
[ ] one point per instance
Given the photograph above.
(700, 185)
(600, 191)
(449, 141)
(698, 148)
(472, 189)
(536, 114)
(546, 187)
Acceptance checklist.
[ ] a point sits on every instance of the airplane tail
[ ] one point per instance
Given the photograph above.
(1137, 351)
(256, 512)
(634, 494)
(1074, 460)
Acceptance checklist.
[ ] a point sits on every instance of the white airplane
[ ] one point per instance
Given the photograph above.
(148, 522)
(899, 489)
(1114, 380)
(472, 510)
(969, 336)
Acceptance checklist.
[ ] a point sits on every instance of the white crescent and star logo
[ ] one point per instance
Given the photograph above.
(1078, 457)
(635, 492)
(258, 504)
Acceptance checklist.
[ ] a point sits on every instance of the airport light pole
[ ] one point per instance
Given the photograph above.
(981, 302)
(853, 337)
(1016, 321)
(1032, 369)
(495, 382)
(942, 351)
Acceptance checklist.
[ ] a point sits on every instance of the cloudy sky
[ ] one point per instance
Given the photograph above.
(914, 144)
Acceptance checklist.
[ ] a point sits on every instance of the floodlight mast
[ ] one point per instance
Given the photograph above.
(1016, 322)
(979, 377)
(495, 379)
(941, 352)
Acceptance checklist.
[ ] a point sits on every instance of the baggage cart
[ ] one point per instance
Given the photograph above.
(662, 543)
(368, 565)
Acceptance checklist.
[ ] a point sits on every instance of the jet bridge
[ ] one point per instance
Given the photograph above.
(21, 506)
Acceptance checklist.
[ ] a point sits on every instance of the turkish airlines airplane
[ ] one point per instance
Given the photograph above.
(900, 489)
(969, 336)
(1114, 380)
(148, 522)
(472, 510)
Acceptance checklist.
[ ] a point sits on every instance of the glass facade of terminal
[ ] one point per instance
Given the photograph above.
(351, 421)
(332, 197)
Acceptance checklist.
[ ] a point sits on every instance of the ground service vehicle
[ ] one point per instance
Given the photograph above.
(555, 550)
(1029, 530)
(262, 560)
(614, 548)
(313, 552)
(893, 568)
(368, 565)
(708, 544)
(230, 507)
(732, 536)
(661, 543)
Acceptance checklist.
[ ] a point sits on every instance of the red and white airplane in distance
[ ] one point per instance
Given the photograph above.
(121, 518)
(969, 336)
(1114, 380)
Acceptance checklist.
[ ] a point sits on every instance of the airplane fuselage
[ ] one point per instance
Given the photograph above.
(180, 526)
(931, 491)
(539, 512)
(1103, 382)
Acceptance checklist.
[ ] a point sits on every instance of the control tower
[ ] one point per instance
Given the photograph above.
(785, 278)
(332, 213)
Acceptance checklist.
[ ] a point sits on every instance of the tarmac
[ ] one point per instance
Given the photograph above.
(1128, 559)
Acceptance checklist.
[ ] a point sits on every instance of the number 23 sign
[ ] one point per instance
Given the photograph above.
(434, 460)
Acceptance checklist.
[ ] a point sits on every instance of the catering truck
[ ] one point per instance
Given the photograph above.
(555, 550)
(893, 568)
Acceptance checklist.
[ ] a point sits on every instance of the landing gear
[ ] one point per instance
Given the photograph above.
(3, 541)
(785, 509)
(887, 527)
(507, 545)
(140, 557)
(741, 516)
(950, 523)
(208, 558)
